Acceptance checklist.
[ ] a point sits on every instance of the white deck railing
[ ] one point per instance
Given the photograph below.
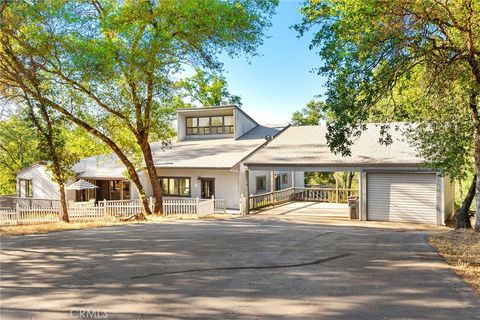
(268, 199)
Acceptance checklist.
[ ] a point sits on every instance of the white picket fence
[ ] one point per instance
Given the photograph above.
(104, 210)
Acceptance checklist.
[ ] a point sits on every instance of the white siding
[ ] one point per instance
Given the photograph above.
(226, 183)
(402, 197)
(253, 181)
(448, 198)
(43, 186)
(181, 126)
(243, 124)
(299, 180)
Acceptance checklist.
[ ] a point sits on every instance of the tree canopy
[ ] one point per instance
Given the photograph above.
(310, 115)
(372, 48)
(207, 90)
(110, 66)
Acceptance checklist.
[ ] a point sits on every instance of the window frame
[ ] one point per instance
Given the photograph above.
(27, 187)
(284, 178)
(257, 179)
(212, 129)
(168, 194)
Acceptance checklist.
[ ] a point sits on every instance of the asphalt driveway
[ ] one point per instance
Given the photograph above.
(258, 267)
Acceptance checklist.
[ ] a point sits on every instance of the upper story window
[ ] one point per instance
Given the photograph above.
(209, 125)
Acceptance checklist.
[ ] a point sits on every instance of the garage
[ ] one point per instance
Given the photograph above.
(394, 183)
(402, 197)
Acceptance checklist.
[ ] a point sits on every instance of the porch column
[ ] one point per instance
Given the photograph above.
(362, 195)
(293, 179)
(247, 195)
(272, 181)
(336, 187)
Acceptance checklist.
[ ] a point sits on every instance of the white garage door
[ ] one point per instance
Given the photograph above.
(402, 197)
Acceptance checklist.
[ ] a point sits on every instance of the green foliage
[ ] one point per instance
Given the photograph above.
(310, 115)
(18, 149)
(208, 90)
(325, 179)
(22, 145)
(369, 45)
(442, 130)
(401, 61)
(113, 64)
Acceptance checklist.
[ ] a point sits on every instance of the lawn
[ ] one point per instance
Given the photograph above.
(461, 249)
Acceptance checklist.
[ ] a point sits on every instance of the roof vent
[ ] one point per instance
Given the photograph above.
(268, 137)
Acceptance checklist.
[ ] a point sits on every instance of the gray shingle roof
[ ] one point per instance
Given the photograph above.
(106, 166)
(211, 153)
(307, 146)
(202, 153)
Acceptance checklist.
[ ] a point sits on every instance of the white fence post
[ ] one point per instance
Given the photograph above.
(89, 211)
(17, 211)
(105, 212)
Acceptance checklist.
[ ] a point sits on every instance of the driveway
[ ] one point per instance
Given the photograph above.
(257, 267)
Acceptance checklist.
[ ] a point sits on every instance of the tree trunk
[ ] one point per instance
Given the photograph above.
(462, 216)
(477, 170)
(112, 145)
(350, 180)
(476, 121)
(153, 177)
(143, 197)
(477, 193)
(63, 203)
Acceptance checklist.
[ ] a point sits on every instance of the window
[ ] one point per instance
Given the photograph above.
(115, 189)
(178, 187)
(126, 190)
(26, 188)
(284, 178)
(210, 125)
(261, 183)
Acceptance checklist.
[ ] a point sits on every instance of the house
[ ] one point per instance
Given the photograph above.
(219, 148)
(207, 160)
(394, 183)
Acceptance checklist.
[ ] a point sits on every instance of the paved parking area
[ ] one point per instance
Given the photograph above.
(277, 266)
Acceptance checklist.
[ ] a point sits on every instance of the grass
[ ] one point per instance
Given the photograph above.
(461, 249)
(18, 230)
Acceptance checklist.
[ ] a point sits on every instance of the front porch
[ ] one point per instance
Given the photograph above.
(109, 190)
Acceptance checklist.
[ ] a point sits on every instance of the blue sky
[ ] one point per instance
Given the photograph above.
(279, 81)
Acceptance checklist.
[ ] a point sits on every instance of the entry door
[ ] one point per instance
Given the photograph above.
(207, 187)
(402, 197)
(278, 183)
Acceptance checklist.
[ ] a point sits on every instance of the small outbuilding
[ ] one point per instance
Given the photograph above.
(394, 183)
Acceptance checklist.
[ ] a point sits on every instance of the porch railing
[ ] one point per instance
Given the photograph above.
(260, 201)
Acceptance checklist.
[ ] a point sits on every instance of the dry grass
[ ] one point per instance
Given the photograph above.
(461, 249)
(53, 227)
(61, 226)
